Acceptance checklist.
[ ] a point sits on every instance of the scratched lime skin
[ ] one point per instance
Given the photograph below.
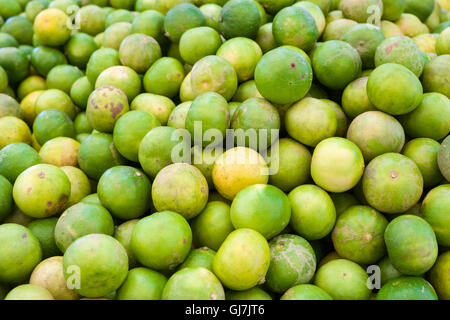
(242, 260)
(42, 191)
(101, 263)
(105, 106)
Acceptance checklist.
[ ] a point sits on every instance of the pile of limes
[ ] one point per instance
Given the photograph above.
(225, 149)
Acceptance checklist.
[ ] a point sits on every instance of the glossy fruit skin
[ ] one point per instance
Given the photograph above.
(181, 18)
(213, 73)
(442, 46)
(55, 99)
(177, 118)
(295, 26)
(49, 275)
(420, 254)
(100, 60)
(239, 18)
(305, 292)
(439, 276)
(42, 191)
(244, 54)
(114, 34)
(201, 257)
(358, 235)
(80, 220)
(343, 280)
(317, 219)
(359, 10)
(260, 115)
(105, 106)
(392, 183)
(92, 19)
(155, 152)
(18, 242)
(421, 9)
(336, 71)
(211, 227)
(43, 59)
(97, 154)
(182, 188)
(123, 233)
(6, 198)
(293, 160)
(15, 130)
(424, 152)
(80, 91)
(343, 201)
(125, 192)
(375, 133)
(436, 74)
(31, 84)
(354, 98)
(273, 6)
(79, 48)
(129, 131)
(50, 27)
(337, 175)
(310, 121)
(365, 38)
(3, 80)
(433, 209)
(430, 119)
(15, 63)
(164, 77)
(315, 10)
(263, 208)
(190, 51)
(15, 158)
(392, 9)
(193, 284)
(10, 107)
(255, 293)
(102, 263)
(407, 288)
(444, 158)
(61, 151)
(265, 38)
(142, 284)
(44, 231)
(283, 76)
(139, 51)
(52, 123)
(336, 28)
(292, 262)
(387, 87)
(29, 292)
(122, 77)
(387, 270)
(161, 251)
(151, 23)
(210, 110)
(401, 50)
(242, 260)
(238, 168)
(156, 105)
